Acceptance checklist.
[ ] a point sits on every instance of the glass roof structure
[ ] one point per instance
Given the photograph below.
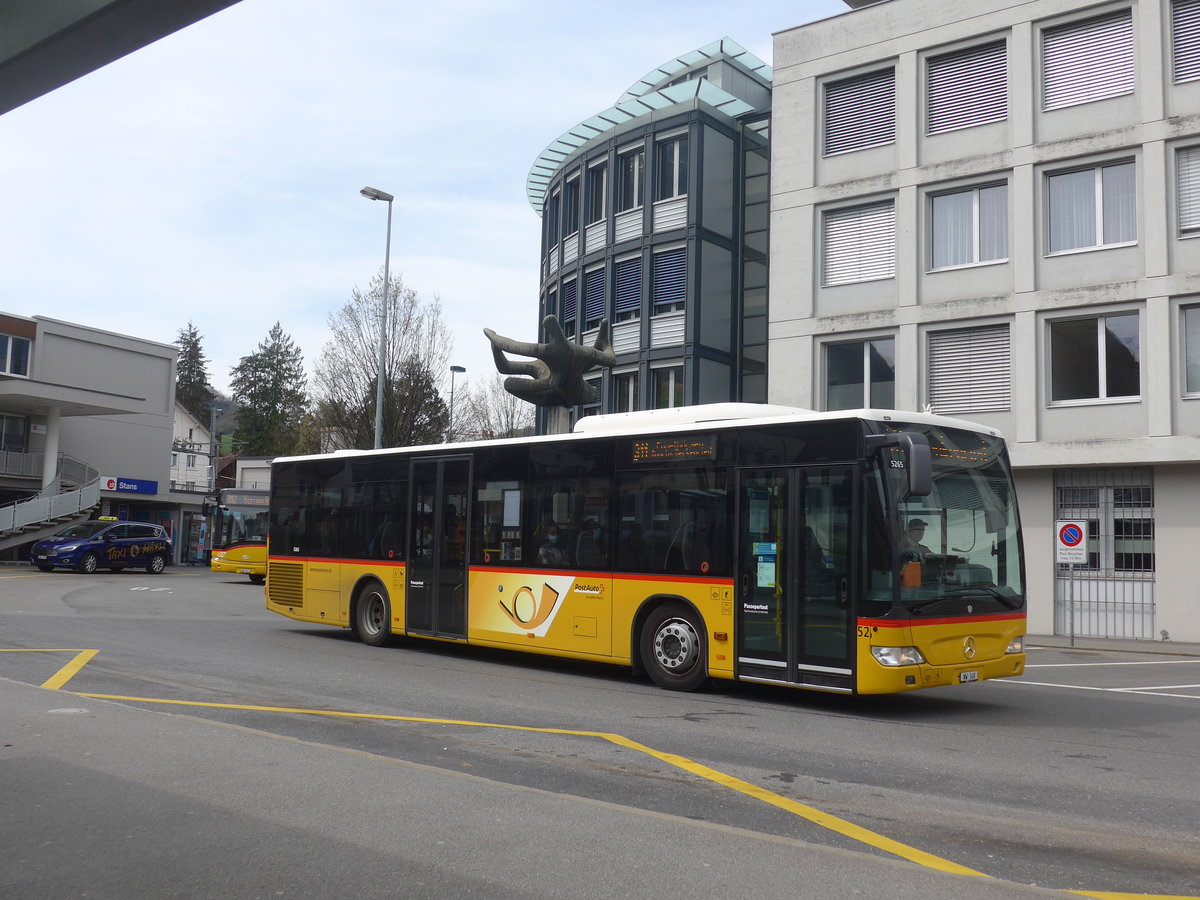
(654, 91)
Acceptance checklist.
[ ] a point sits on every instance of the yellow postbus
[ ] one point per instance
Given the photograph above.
(239, 523)
(731, 541)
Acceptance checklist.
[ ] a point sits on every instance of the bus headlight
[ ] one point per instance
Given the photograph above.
(1016, 645)
(898, 656)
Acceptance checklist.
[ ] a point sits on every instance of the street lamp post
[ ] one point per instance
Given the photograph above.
(454, 370)
(375, 194)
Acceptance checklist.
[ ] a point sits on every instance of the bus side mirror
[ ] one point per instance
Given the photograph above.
(917, 458)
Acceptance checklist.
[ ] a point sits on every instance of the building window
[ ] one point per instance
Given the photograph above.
(1095, 359)
(12, 434)
(668, 387)
(1086, 61)
(596, 203)
(967, 88)
(552, 212)
(861, 374)
(1093, 207)
(568, 311)
(630, 170)
(625, 389)
(1191, 349)
(671, 162)
(1187, 179)
(969, 226)
(191, 461)
(627, 303)
(970, 370)
(593, 298)
(669, 287)
(571, 207)
(859, 243)
(1185, 40)
(860, 112)
(14, 355)
(174, 459)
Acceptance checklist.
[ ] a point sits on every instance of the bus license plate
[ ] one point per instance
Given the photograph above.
(964, 677)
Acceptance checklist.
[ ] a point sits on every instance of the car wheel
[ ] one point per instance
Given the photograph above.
(157, 563)
(673, 650)
(89, 563)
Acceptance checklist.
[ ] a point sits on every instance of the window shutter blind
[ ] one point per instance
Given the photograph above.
(1185, 39)
(669, 276)
(860, 112)
(629, 285)
(1187, 163)
(860, 243)
(968, 88)
(593, 298)
(1086, 61)
(970, 370)
(570, 297)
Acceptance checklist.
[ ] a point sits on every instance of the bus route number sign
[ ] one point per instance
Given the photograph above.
(1071, 543)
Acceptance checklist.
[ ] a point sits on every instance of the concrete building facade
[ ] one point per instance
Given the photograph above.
(990, 209)
(81, 406)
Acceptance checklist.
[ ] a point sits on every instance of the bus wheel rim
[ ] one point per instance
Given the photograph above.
(373, 614)
(676, 646)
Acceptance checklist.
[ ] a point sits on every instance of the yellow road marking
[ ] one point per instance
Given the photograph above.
(67, 672)
(816, 816)
(825, 820)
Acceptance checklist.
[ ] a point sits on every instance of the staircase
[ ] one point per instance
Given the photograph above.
(52, 508)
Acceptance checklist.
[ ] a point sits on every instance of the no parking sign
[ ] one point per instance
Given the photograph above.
(1070, 542)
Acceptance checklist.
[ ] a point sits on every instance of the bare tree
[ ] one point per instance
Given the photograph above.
(418, 352)
(491, 411)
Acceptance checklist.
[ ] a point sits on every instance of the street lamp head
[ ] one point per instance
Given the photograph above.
(459, 369)
(376, 194)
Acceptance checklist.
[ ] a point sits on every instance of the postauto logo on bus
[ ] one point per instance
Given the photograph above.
(104, 543)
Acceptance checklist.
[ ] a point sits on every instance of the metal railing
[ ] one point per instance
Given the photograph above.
(50, 503)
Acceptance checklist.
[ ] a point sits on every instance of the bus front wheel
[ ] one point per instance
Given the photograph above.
(673, 650)
(373, 616)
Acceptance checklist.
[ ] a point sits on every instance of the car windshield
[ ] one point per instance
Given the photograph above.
(83, 529)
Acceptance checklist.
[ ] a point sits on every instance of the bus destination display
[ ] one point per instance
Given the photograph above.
(702, 446)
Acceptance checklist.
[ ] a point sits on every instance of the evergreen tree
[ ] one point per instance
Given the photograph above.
(269, 385)
(192, 388)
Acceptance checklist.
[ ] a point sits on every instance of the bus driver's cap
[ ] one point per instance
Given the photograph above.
(917, 523)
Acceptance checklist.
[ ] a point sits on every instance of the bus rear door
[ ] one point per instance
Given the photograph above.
(437, 562)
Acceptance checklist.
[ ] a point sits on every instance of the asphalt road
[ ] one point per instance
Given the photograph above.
(167, 737)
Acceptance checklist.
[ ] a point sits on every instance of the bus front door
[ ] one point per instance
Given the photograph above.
(437, 567)
(795, 564)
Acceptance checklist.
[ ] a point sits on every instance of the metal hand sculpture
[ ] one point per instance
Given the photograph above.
(556, 372)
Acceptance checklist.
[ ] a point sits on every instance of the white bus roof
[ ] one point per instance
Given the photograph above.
(684, 418)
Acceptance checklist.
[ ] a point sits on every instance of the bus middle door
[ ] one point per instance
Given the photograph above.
(794, 575)
(436, 598)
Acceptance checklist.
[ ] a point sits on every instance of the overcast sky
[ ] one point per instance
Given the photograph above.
(213, 177)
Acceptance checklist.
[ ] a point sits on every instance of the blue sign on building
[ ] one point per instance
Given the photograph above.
(129, 485)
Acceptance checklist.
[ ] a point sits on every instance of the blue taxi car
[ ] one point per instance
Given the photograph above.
(104, 543)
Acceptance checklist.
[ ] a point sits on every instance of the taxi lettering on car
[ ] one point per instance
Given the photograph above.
(104, 543)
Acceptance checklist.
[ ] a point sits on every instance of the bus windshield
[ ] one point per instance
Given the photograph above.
(233, 525)
(959, 550)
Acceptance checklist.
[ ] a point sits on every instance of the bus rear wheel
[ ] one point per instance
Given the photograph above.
(673, 650)
(373, 615)
(258, 579)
